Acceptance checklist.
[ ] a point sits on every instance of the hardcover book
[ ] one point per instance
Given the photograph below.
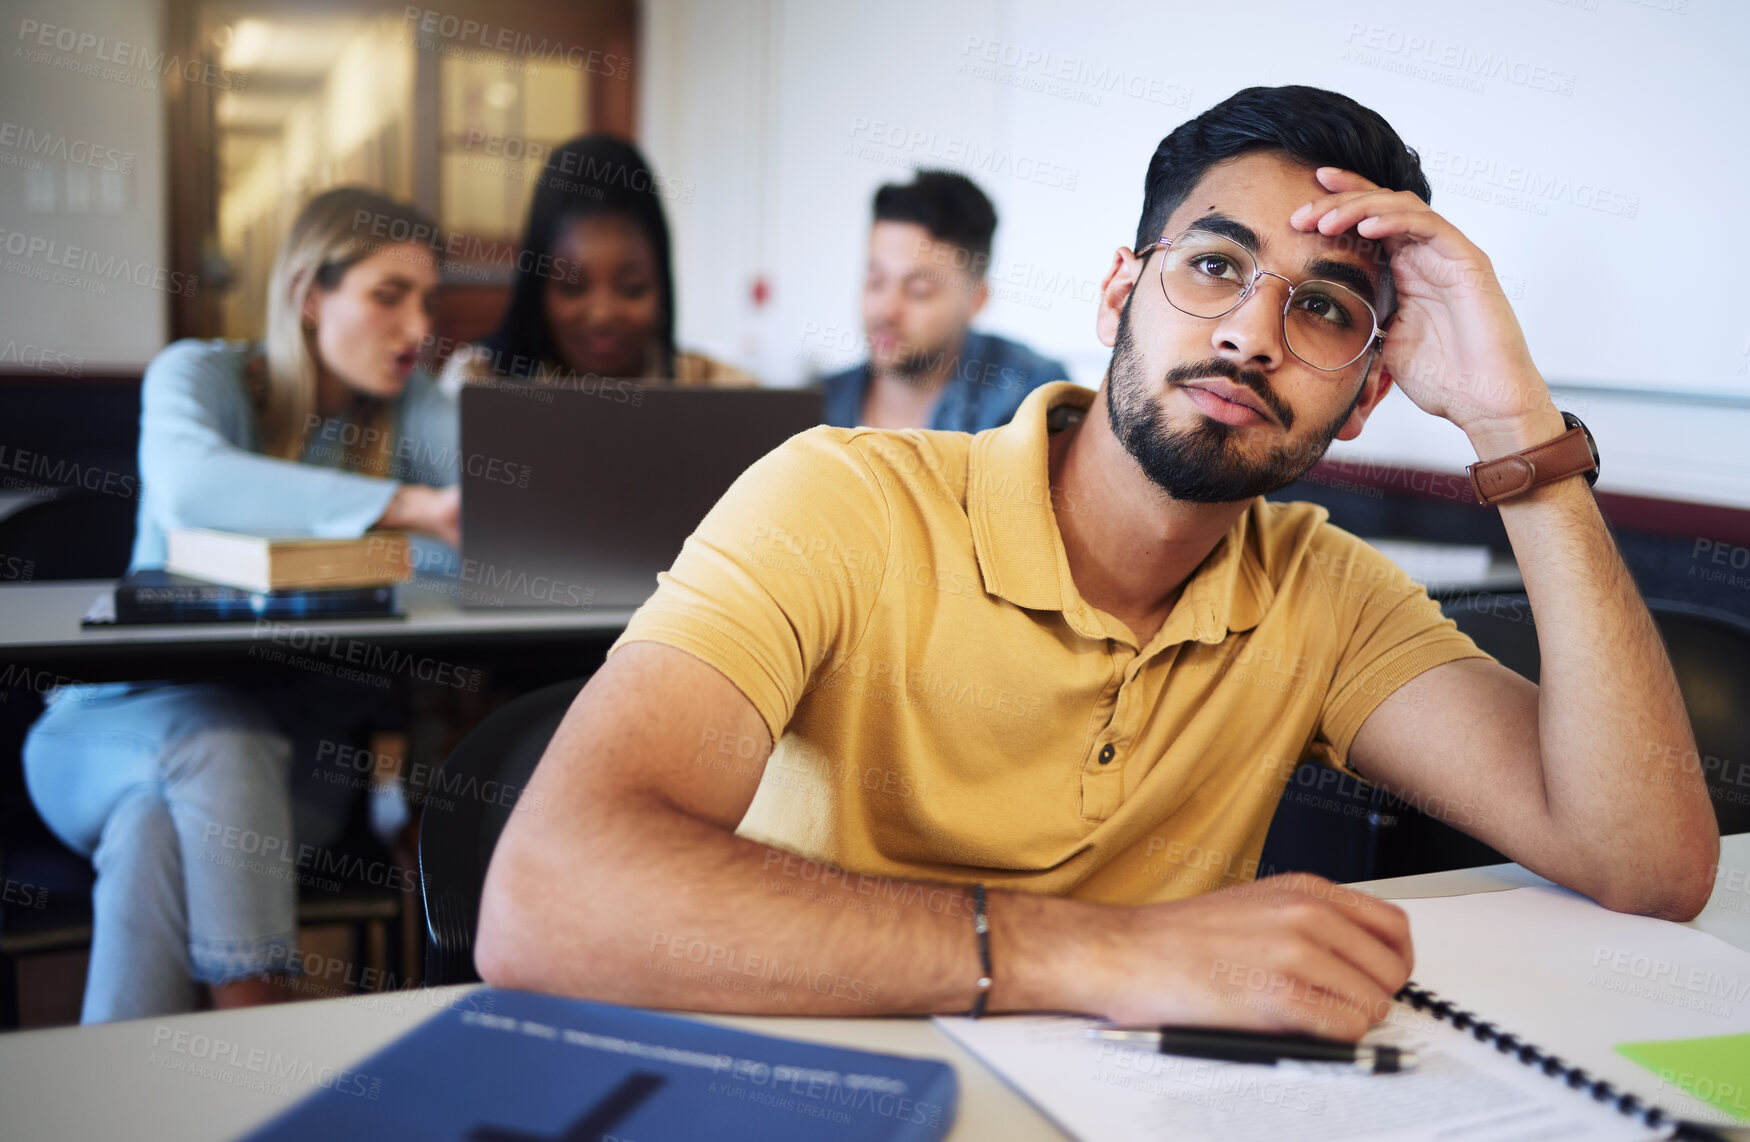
(266, 561)
(510, 1066)
(163, 597)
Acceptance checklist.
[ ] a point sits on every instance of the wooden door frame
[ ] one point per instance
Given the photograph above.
(607, 27)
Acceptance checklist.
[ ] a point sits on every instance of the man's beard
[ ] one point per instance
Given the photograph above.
(915, 365)
(1203, 464)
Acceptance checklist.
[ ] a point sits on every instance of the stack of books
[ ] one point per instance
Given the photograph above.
(228, 576)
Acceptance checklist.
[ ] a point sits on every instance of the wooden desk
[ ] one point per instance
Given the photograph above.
(110, 1081)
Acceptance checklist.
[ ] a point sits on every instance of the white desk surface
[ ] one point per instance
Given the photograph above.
(45, 616)
(102, 1082)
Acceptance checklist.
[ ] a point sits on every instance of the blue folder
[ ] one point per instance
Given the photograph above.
(510, 1066)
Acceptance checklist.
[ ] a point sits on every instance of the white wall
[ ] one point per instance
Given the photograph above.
(777, 119)
(83, 218)
(1595, 148)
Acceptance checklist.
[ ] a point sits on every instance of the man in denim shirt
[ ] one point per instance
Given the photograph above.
(928, 251)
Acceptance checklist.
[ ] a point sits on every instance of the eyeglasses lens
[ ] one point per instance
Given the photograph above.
(1327, 325)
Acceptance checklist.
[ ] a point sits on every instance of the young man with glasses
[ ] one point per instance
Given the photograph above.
(1035, 693)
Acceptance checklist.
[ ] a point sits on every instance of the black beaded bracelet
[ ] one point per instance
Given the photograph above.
(981, 925)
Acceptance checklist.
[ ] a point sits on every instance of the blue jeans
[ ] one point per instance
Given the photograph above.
(182, 796)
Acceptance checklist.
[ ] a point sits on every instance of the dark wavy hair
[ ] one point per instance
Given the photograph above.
(948, 205)
(590, 176)
(1316, 127)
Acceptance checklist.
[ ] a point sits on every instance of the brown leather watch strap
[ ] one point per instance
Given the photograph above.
(1517, 473)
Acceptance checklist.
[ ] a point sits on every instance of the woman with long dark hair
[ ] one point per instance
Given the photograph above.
(594, 292)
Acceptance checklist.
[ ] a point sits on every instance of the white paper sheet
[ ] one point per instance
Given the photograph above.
(1557, 970)
(1459, 1089)
(1548, 965)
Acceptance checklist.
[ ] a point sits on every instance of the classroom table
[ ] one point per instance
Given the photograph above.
(40, 633)
(107, 1081)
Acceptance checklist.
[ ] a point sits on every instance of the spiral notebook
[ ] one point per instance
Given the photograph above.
(1561, 983)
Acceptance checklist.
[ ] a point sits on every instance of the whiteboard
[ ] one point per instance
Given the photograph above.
(1595, 149)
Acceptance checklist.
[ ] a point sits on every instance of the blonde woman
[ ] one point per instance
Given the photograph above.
(183, 795)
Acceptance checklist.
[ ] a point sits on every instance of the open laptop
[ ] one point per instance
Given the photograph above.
(577, 498)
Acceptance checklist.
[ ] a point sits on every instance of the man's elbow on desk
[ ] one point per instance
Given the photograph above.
(1671, 885)
(508, 942)
(557, 913)
(529, 932)
(1677, 896)
(1663, 862)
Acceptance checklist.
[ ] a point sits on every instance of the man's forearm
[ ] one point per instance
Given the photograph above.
(680, 914)
(1623, 793)
(625, 881)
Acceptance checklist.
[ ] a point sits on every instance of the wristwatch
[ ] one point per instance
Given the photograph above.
(1572, 453)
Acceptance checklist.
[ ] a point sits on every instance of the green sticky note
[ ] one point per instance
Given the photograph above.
(1715, 1069)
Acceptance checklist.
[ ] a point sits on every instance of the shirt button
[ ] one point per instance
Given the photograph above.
(1107, 753)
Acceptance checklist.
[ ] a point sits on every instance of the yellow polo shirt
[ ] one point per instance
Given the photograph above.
(899, 609)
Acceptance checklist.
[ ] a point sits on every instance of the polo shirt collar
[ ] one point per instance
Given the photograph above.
(1020, 550)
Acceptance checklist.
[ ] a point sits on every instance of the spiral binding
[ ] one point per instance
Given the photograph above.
(1422, 999)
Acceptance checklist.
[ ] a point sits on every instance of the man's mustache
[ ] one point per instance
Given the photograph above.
(1247, 378)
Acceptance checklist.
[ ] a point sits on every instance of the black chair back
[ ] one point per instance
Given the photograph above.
(1340, 832)
(70, 533)
(466, 808)
(1710, 653)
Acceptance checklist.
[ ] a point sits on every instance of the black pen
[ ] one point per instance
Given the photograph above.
(1257, 1047)
(1708, 1132)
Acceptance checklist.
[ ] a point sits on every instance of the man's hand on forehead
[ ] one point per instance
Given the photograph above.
(1453, 345)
